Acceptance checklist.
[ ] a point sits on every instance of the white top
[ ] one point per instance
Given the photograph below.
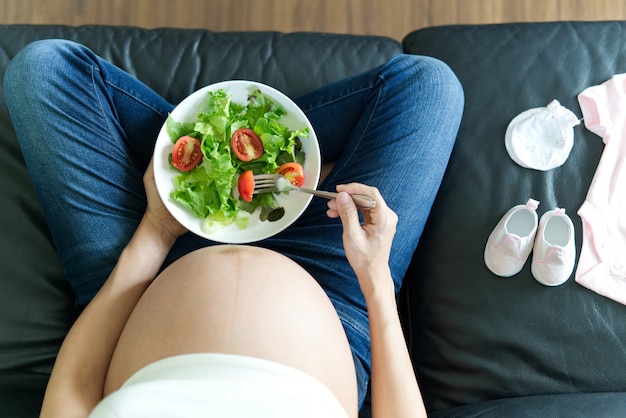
(219, 385)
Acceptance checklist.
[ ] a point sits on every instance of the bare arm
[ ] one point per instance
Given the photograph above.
(77, 380)
(395, 392)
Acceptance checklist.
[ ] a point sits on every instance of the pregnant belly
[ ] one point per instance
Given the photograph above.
(238, 300)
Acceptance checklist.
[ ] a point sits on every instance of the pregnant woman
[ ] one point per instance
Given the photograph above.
(175, 325)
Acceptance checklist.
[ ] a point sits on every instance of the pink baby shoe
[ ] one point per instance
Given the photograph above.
(512, 239)
(554, 252)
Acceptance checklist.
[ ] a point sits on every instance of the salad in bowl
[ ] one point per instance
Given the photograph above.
(214, 143)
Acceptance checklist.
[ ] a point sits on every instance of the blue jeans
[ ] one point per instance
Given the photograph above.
(87, 130)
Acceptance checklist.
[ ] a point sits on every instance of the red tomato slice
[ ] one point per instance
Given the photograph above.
(246, 144)
(186, 154)
(294, 172)
(245, 184)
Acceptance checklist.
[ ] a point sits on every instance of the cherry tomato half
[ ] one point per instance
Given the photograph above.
(186, 154)
(294, 172)
(245, 185)
(246, 144)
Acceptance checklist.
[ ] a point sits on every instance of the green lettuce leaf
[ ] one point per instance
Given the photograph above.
(175, 130)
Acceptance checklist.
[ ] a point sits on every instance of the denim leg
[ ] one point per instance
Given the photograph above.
(87, 131)
(394, 128)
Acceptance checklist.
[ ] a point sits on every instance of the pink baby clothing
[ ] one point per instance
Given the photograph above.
(602, 261)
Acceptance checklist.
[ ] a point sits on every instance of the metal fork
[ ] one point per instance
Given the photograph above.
(275, 183)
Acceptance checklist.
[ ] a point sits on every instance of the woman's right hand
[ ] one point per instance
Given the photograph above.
(368, 244)
(395, 391)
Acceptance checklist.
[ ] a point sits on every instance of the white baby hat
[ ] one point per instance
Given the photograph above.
(541, 138)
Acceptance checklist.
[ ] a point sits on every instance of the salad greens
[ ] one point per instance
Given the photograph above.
(207, 190)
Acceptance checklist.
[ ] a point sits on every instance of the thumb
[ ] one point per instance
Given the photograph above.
(348, 213)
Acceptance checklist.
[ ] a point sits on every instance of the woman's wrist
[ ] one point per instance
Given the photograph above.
(377, 284)
(148, 247)
(159, 232)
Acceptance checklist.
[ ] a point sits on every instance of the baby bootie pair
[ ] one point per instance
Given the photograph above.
(518, 233)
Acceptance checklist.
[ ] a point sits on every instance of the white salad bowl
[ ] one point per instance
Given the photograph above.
(294, 203)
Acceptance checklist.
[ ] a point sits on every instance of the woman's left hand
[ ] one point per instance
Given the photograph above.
(157, 214)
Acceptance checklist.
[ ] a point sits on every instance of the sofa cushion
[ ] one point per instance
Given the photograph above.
(475, 336)
(21, 393)
(36, 304)
(576, 405)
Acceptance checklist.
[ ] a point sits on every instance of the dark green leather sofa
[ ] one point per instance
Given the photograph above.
(481, 345)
